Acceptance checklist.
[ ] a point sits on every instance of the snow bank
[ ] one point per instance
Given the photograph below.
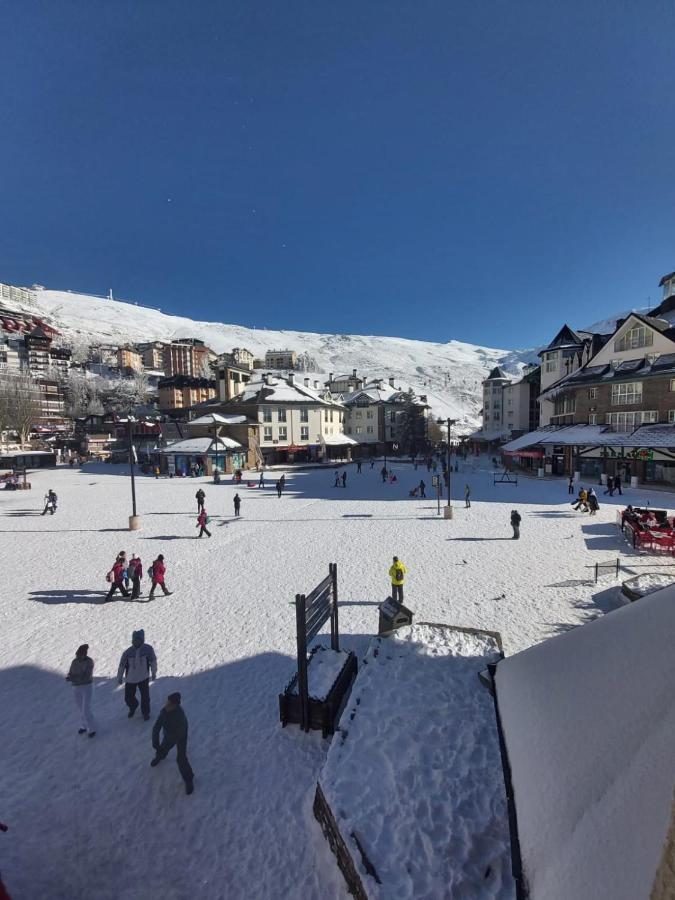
(413, 776)
(589, 725)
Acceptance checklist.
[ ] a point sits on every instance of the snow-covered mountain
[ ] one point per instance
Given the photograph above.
(449, 374)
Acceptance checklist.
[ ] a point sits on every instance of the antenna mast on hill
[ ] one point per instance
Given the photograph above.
(110, 294)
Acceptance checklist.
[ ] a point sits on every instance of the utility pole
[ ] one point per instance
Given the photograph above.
(447, 512)
(134, 519)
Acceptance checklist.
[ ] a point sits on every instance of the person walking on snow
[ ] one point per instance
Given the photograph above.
(116, 576)
(467, 496)
(135, 574)
(397, 575)
(261, 480)
(81, 676)
(156, 572)
(280, 488)
(610, 486)
(383, 473)
(422, 489)
(372, 463)
(515, 524)
(173, 722)
(200, 496)
(50, 503)
(617, 484)
(593, 504)
(202, 522)
(570, 485)
(344, 478)
(237, 504)
(358, 466)
(581, 500)
(137, 665)
(337, 480)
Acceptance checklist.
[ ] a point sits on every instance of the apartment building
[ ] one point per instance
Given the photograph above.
(129, 360)
(181, 392)
(187, 356)
(281, 359)
(152, 354)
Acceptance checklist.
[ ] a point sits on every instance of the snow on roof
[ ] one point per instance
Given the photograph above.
(653, 436)
(588, 719)
(338, 440)
(218, 419)
(414, 776)
(278, 390)
(202, 445)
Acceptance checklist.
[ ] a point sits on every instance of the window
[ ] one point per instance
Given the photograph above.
(283, 433)
(639, 336)
(650, 416)
(359, 430)
(592, 393)
(281, 415)
(392, 416)
(325, 415)
(486, 416)
(672, 384)
(358, 414)
(304, 415)
(622, 421)
(369, 412)
(304, 432)
(623, 394)
(564, 406)
(592, 419)
(551, 362)
(267, 414)
(267, 433)
(510, 401)
(371, 430)
(671, 416)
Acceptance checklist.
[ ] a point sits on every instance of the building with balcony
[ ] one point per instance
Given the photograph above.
(129, 360)
(187, 356)
(281, 359)
(182, 392)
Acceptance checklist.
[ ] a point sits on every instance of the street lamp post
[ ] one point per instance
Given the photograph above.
(134, 519)
(447, 512)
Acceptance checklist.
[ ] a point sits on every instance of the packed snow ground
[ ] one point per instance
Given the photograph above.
(90, 818)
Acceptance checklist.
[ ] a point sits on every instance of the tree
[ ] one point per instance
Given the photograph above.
(413, 433)
(83, 394)
(20, 404)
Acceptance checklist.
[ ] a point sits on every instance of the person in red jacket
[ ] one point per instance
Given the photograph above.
(117, 580)
(158, 570)
(201, 523)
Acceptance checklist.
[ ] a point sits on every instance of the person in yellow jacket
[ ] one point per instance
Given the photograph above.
(582, 500)
(397, 574)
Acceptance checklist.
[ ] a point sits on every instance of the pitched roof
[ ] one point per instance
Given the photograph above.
(496, 373)
(566, 337)
(666, 278)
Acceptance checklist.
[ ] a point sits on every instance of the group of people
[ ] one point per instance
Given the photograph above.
(125, 572)
(137, 667)
(587, 501)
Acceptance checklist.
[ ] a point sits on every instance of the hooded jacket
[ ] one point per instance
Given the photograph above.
(392, 572)
(158, 570)
(137, 663)
(201, 518)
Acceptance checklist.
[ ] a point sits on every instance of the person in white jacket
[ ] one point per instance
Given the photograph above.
(81, 676)
(138, 664)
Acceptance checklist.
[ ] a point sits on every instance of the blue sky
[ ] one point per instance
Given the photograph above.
(458, 169)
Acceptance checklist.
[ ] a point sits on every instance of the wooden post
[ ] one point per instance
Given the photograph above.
(334, 634)
(303, 688)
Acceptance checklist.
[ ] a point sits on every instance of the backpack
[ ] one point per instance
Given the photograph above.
(208, 519)
(398, 573)
(109, 576)
(151, 573)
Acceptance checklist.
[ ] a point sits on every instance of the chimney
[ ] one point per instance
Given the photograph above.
(266, 378)
(423, 398)
(330, 376)
(306, 382)
(291, 378)
(354, 374)
(316, 385)
(391, 381)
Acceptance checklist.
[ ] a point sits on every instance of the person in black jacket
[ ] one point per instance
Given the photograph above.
(515, 523)
(173, 721)
(200, 497)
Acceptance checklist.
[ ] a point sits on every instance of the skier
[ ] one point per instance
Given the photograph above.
(50, 502)
(156, 573)
(610, 486)
(237, 504)
(570, 485)
(81, 676)
(397, 575)
(137, 664)
(593, 504)
(261, 480)
(617, 485)
(467, 496)
(200, 496)
(515, 523)
(116, 577)
(173, 721)
(135, 573)
(202, 522)
(280, 488)
(358, 466)
(422, 489)
(344, 478)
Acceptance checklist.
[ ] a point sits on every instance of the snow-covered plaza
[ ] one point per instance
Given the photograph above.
(90, 818)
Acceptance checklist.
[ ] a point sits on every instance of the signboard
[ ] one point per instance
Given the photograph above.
(435, 480)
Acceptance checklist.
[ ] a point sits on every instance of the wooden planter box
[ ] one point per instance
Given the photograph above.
(323, 714)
